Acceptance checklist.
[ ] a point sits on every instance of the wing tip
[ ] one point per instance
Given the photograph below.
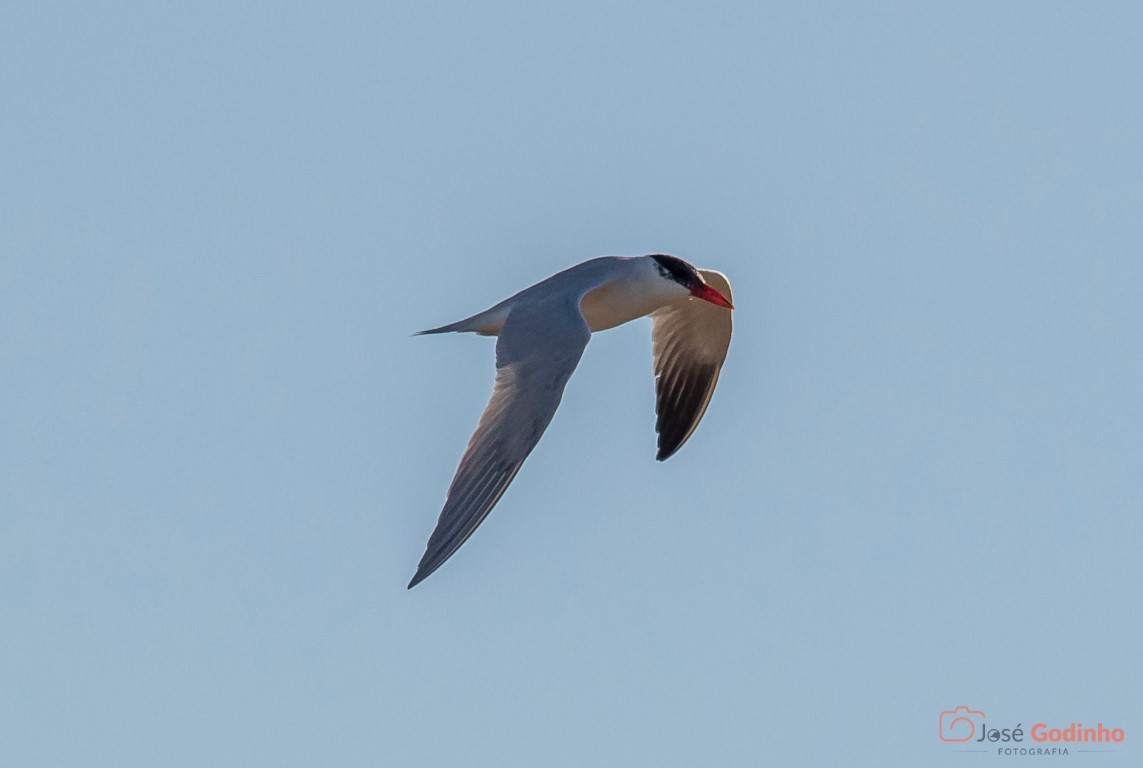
(418, 577)
(425, 569)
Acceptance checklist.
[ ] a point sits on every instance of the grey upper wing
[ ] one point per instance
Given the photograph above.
(689, 338)
(537, 351)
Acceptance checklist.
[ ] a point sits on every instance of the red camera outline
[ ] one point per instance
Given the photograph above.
(963, 713)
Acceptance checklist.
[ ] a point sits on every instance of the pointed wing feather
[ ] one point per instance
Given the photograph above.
(537, 351)
(689, 339)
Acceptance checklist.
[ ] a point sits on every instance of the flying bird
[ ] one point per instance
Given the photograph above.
(542, 332)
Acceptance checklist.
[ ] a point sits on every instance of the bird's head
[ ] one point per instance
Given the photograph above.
(680, 272)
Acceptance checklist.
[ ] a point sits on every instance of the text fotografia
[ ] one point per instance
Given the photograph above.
(1041, 732)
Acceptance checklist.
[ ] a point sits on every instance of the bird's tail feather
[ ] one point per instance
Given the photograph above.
(486, 323)
(457, 326)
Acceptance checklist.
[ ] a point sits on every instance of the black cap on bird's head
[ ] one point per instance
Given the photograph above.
(674, 268)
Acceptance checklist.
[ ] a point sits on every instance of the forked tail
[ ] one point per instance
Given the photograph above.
(486, 323)
(457, 326)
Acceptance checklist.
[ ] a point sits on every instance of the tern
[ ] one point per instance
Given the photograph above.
(542, 332)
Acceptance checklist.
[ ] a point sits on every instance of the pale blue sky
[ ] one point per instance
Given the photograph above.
(221, 453)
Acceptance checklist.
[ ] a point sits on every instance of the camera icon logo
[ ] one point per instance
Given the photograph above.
(960, 724)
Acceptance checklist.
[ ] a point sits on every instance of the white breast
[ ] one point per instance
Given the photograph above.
(618, 302)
